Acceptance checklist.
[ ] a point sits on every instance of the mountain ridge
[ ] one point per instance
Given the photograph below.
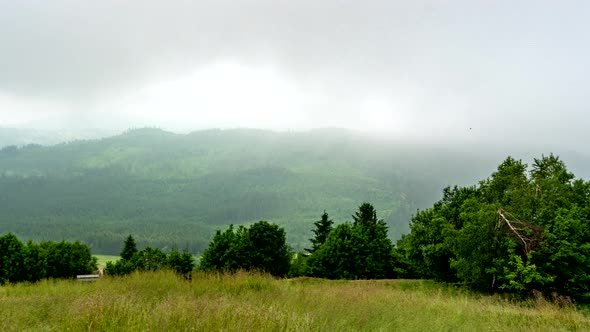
(174, 190)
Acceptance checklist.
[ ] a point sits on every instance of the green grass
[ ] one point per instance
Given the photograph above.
(245, 302)
(103, 259)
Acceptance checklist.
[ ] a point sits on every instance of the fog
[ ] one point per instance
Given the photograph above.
(500, 73)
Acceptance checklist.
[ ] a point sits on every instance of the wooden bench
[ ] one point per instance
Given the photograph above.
(88, 277)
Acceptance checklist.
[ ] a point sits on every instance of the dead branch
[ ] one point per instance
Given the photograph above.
(520, 229)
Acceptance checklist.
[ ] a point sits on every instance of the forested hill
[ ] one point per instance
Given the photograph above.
(172, 190)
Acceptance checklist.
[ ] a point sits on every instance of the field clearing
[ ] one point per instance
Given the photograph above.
(103, 259)
(245, 302)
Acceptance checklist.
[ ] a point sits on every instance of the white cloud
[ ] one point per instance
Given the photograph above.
(224, 94)
(18, 111)
(427, 69)
(385, 117)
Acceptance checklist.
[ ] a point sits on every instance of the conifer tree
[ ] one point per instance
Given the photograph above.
(323, 227)
(357, 250)
(129, 248)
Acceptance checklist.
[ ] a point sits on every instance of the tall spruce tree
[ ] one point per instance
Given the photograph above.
(366, 216)
(129, 248)
(323, 227)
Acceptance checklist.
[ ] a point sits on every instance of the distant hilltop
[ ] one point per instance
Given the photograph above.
(25, 136)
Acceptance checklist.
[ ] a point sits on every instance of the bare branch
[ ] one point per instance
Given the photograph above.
(514, 230)
(520, 230)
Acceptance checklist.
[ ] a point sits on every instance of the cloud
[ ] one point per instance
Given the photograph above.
(422, 68)
(224, 94)
(16, 110)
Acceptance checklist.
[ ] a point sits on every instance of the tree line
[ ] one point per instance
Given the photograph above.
(150, 259)
(359, 249)
(522, 231)
(32, 262)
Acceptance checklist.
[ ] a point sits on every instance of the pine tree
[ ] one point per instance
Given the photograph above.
(365, 216)
(129, 248)
(357, 250)
(323, 227)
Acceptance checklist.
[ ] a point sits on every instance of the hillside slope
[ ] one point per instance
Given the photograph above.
(175, 190)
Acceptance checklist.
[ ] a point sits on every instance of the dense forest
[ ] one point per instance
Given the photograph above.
(522, 231)
(174, 191)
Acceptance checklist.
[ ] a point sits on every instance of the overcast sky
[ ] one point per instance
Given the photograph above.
(509, 70)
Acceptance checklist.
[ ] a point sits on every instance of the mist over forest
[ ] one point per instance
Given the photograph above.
(174, 190)
(214, 165)
(228, 113)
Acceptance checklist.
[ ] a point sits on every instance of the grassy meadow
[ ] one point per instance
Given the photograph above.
(245, 302)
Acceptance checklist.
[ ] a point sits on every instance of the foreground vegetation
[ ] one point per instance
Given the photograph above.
(32, 262)
(522, 230)
(161, 301)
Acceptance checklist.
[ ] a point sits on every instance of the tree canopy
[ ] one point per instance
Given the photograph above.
(33, 262)
(357, 250)
(150, 259)
(323, 227)
(520, 230)
(129, 248)
(260, 247)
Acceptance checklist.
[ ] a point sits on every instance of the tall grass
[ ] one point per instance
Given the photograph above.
(249, 302)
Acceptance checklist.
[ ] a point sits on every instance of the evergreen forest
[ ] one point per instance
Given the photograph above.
(174, 190)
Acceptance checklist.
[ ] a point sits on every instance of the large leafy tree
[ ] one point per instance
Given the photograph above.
(518, 230)
(11, 259)
(222, 253)
(181, 262)
(35, 264)
(427, 247)
(119, 268)
(338, 257)
(266, 248)
(66, 260)
(261, 247)
(149, 259)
